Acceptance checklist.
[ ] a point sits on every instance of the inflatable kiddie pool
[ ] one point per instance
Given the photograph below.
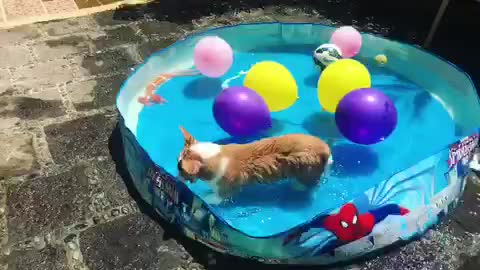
(372, 197)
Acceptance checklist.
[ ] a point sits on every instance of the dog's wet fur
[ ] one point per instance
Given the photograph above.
(229, 167)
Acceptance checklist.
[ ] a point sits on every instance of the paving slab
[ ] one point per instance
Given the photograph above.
(111, 18)
(59, 6)
(69, 26)
(118, 36)
(49, 203)
(105, 63)
(80, 139)
(47, 259)
(19, 35)
(44, 74)
(148, 48)
(20, 9)
(4, 80)
(18, 155)
(160, 29)
(42, 105)
(95, 93)
(133, 242)
(62, 47)
(14, 56)
(110, 185)
(468, 214)
(441, 248)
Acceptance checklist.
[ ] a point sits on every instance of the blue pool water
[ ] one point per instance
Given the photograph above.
(424, 127)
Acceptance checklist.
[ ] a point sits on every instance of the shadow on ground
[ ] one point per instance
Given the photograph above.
(407, 21)
(378, 16)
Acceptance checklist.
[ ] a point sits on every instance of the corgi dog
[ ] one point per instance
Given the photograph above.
(227, 168)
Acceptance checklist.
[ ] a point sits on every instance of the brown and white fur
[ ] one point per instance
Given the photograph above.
(229, 167)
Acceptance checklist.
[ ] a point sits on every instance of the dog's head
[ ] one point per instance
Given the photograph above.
(189, 162)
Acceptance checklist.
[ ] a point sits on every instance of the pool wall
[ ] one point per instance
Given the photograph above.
(425, 192)
(398, 208)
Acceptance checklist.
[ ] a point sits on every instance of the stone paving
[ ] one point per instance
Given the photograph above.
(66, 201)
(21, 12)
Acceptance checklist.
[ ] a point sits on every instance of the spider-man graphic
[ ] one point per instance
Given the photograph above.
(349, 225)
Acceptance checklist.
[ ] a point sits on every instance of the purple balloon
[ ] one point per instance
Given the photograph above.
(366, 116)
(240, 111)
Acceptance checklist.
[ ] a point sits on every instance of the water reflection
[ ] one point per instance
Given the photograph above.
(322, 125)
(352, 160)
(203, 88)
(280, 195)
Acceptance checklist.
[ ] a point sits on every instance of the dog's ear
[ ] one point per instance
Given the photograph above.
(189, 140)
(191, 166)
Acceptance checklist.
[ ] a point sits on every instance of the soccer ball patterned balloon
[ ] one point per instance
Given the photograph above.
(326, 54)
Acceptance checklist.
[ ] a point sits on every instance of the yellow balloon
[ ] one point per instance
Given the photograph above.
(274, 83)
(340, 78)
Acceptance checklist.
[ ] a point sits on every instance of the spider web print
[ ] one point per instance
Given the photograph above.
(385, 192)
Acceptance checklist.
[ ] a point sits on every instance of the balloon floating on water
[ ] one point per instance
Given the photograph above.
(381, 59)
(348, 39)
(366, 116)
(213, 56)
(241, 112)
(274, 83)
(340, 78)
(326, 54)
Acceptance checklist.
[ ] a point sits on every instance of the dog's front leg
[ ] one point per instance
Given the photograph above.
(227, 189)
(221, 193)
(213, 199)
(298, 186)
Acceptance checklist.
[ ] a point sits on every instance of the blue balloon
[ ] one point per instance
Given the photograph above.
(366, 116)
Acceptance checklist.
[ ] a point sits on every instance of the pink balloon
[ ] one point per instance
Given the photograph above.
(348, 39)
(213, 56)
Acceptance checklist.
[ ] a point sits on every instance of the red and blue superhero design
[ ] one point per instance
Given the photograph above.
(349, 224)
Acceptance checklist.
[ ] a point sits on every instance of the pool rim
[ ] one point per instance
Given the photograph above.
(203, 32)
